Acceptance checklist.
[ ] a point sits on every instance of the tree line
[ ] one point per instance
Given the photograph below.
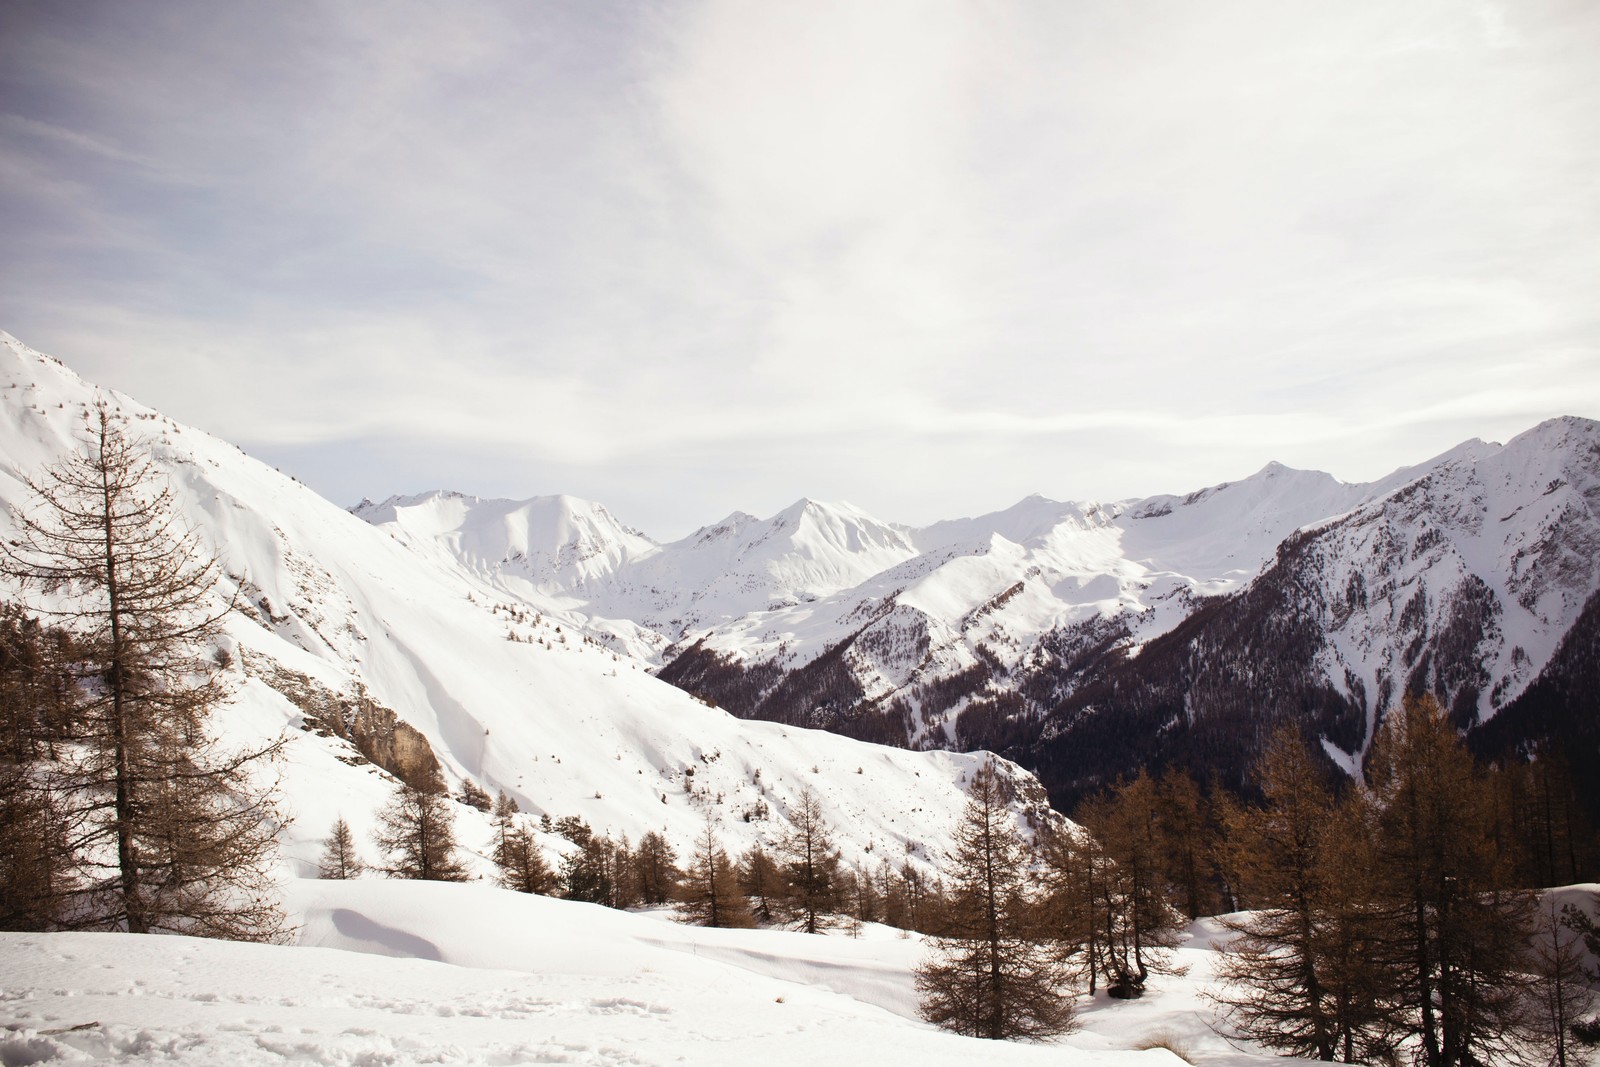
(1377, 921)
(799, 880)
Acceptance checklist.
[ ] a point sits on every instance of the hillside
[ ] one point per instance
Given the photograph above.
(351, 639)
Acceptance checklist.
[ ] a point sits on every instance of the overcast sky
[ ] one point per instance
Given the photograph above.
(924, 256)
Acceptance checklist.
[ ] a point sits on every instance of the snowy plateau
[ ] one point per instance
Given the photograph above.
(524, 646)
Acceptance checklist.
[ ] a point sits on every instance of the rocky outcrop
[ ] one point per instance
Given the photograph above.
(377, 734)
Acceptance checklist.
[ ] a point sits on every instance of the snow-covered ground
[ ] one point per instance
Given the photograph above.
(389, 972)
(512, 699)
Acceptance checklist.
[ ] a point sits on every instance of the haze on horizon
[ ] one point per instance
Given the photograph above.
(701, 255)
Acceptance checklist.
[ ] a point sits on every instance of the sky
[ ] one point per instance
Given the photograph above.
(928, 256)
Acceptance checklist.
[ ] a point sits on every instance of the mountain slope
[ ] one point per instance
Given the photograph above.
(1463, 583)
(339, 614)
(1075, 636)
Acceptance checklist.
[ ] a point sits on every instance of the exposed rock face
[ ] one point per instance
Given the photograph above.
(379, 735)
(393, 744)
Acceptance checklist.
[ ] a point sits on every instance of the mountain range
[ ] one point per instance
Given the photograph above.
(1085, 640)
(545, 647)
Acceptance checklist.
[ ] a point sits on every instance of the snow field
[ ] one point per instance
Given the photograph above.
(405, 972)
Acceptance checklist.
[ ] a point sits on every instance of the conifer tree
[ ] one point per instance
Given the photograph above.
(1138, 926)
(1361, 965)
(709, 894)
(761, 882)
(522, 865)
(656, 871)
(339, 858)
(989, 976)
(1188, 842)
(861, 895)
(171, 832)
(1081, 909)
(893, 900)
(504, 813)
(416, 832)
(1465, 935)
(811, 866)
(37, 688)
(590, 873)
(1560, 990)
(627, 889)
(36, 860)
(1300, 972)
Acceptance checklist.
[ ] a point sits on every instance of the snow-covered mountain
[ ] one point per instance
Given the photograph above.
(402, 641)
(1460, 575)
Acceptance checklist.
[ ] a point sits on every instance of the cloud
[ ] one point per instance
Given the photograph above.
(891, 251)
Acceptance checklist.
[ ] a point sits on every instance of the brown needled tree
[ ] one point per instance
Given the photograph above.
(761, 882)
(811, 865)
(1303, 973)
(416, 831)
(1138, 926)
(523, 867)
(990, 976)
(710, 894)
(339, 858)
(1463, 934)
(171, 832)
(655, 867)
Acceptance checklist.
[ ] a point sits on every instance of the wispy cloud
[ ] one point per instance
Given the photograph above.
(915, 254)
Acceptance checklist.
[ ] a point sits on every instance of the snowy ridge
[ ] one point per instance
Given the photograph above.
(564, 724)
(1460, 573)
(1493, 553)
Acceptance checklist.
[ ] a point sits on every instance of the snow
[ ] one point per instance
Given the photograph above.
(406, 972)
(557, 719)
(786, 589)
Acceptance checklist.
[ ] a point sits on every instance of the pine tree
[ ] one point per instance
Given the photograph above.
(1081, 909)
(172, 833)
(590, 873)
(475, 796)
(1360, 963)
(1188, 842)
(504, 813)
(1138, 926)
(656, 871)
(36, 860)
(522, 865)
(761, 882)
(1299, 972)
(339, 858)
(861, 895)
(1560, 991)
(811, 866)
(1464, 933)
(1576, 919)
(709, 894)
(416, 833)
(989, 975)
(37, 688)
